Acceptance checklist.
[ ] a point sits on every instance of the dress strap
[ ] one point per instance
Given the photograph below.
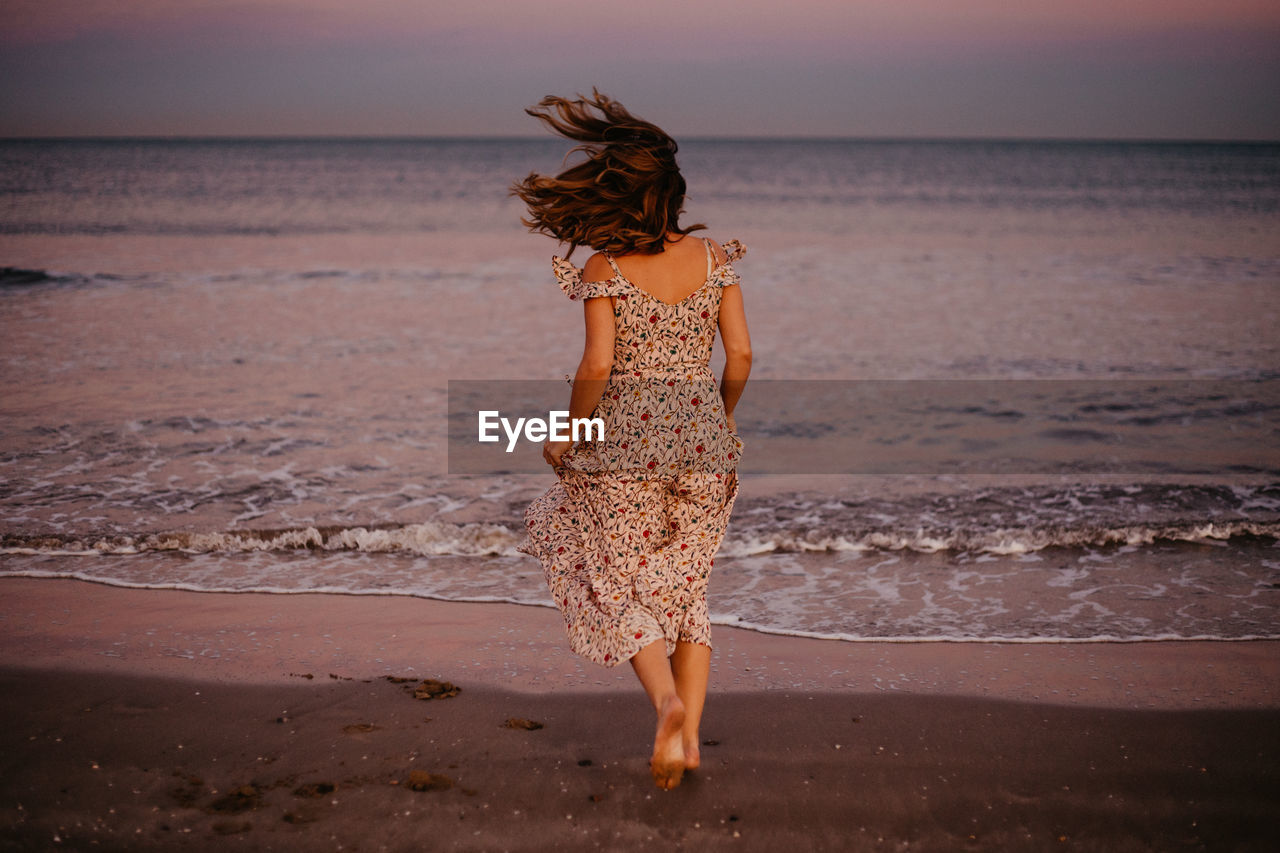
(711, 256)
(608, 257)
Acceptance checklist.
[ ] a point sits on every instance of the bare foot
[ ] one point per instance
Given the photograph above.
(692, 758)
(668, 762)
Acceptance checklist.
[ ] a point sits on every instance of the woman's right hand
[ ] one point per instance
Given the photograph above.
(552, 451)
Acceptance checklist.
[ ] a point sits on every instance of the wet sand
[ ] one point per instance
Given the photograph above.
(144, 719)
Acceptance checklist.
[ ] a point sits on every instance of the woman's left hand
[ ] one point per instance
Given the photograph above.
(553, 450)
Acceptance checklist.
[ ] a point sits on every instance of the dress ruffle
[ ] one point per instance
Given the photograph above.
(627, 562)
(735, 249)
(570, 280)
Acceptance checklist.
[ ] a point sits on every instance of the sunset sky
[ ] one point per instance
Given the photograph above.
(961, 68)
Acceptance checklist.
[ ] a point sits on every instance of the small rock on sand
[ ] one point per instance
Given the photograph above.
(428, 689)
(421, 780)
(522, 723)
(432, 689)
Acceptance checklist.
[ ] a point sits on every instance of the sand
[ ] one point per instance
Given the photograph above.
(146, 719)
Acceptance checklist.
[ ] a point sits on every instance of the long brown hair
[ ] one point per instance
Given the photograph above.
(625, 197)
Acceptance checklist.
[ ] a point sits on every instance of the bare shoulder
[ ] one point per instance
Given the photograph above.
(597, 268)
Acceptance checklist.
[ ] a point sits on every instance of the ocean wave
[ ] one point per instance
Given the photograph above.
(500, 540)
(425, 539)
(1001, 541)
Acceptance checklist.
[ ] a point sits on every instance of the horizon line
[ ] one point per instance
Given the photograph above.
(325, 137)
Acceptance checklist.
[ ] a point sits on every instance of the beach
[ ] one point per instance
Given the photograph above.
(1011, 582)
(144, 719)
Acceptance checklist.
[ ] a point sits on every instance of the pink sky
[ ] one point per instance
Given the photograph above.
(1125, 68)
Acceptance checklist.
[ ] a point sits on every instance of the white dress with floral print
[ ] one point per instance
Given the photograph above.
(628, 533)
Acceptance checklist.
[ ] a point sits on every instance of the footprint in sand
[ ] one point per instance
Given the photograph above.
(314, 790)
(239, 799)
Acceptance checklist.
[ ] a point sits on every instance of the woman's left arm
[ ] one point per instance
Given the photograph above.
(593, 370)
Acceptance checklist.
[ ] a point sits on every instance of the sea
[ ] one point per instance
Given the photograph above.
(1003, 390)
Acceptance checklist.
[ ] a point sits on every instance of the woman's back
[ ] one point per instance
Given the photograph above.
(670, 276)
(666, 308)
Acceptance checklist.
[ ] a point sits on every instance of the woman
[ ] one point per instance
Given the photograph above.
(627, 535)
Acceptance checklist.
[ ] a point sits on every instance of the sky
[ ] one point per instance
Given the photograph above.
(1122, 69)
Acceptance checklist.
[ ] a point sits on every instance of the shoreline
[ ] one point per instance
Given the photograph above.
(264, 638)
(135, 718)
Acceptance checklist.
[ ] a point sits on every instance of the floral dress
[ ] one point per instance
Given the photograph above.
(627, 535)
